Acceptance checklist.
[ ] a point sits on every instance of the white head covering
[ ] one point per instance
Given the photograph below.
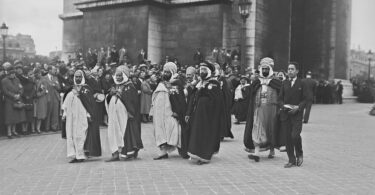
(209, 72)
(172, 67)
(83, 78)
(266, 62)
(264, 81)
(124, 75)
(190, 70)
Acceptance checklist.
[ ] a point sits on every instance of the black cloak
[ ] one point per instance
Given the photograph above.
(206, 107)
(248, 139)
(132, 137)
(92, 144)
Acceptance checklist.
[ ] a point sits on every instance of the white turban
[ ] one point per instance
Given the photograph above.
(170, 66)
(266, 62)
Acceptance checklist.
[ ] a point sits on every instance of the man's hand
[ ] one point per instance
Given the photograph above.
(294, 110)
(130, 116)
(187, 119)
(17, 96)
(112, 91)
(175, 115)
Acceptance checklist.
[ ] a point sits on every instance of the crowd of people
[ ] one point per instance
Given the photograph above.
(191, 107)
(363, 89)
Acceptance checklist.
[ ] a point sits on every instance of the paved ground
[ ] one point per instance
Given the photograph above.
(339, 158)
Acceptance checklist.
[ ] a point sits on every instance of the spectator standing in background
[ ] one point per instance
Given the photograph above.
(53, 94)
(14, 113)
(311, 86)
(339, 91)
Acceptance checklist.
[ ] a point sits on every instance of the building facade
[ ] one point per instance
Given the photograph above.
(359, 64)
(18, 46)
(316, 33)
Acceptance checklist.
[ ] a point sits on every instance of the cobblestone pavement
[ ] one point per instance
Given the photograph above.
(338, 144)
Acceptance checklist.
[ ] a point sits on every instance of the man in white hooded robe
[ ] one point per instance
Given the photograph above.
(167, 130)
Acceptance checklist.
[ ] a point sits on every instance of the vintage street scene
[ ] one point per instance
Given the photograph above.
(187, 97)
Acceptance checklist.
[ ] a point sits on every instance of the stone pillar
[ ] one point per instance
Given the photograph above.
(250, 37)
(332, 49)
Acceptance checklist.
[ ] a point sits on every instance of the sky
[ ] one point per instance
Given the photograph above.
(39, 18)
(363, 25)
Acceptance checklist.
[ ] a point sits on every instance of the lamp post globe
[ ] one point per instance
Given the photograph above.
(4, 29)
(244, 8)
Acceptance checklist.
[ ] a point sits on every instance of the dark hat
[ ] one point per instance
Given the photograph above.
(308, 73)
(142, 66)
(10, 69)
(26, 69)
(17, 62)
(245, 77)
(18, 66)
(209, 65)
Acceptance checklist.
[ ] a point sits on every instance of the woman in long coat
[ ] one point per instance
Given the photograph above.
(28, 98)
(12, 91)
(146, 95)
(41, 99)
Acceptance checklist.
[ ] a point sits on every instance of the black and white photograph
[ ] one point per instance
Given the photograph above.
(187, 97)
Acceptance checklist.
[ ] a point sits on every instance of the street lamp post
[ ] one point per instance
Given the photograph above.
(4, 34)
(369, 54)
(244, 9)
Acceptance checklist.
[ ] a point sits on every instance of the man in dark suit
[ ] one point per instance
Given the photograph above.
(53, 96)
(339, 90)
(310, 85)
(292, 98)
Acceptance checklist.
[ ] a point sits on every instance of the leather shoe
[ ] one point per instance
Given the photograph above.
(289, 165)
(253, 157)
(299, 161)
(199, 162)
(165, 156)
(128, 157)
(73, 161)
